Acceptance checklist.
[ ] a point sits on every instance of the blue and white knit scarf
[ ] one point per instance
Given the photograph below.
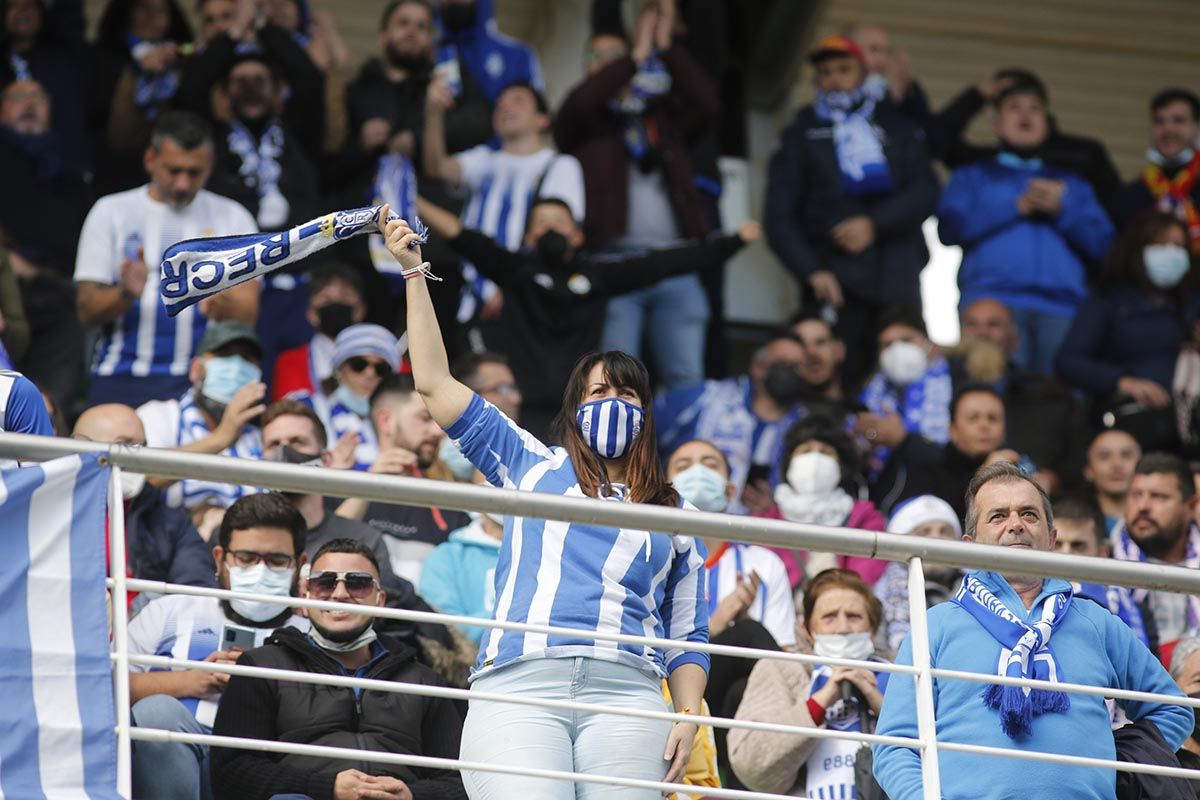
(150, 88)
(924, 405)
(260, 168)
(1125, 549)
(859, 150)
(395, 185)
(1028, 655)
(198, 268)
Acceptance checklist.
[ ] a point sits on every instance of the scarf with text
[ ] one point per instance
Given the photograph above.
(858, 144)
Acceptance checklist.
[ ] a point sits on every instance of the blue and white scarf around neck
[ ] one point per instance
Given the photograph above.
(924, 404)
(1125, 549)
(860, 153)
(1024, 653)
(150, 88)
(261, 169)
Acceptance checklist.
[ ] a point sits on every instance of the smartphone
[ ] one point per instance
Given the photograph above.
(237, 636)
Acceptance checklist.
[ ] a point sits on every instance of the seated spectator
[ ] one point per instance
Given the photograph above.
(911, 392)
(1168, 182)
(335, 302)
(820, 467)
(1041, 416)
(1086, 157)
(1111, 459)
(494, 61)
(840, 614)
(557, 295)
(1031, 232)
(1123, 344)
(630, 123)
(408, 445)
(1185, 670)
(133, 77)
(40, 227)
(162, 543)
(388, 722)
(217, 415)
(364, 356)
(846, 220)
(889, 77)
(260, 550)
(144, 354)
(746, 417)
(928, 516)
(821, 370)
(489, 376)
(1158, 528)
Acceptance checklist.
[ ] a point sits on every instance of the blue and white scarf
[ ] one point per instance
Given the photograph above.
(859, 149)
(651, 80)
(150, 88)
(20, 67)
(340, 420)
(395, 185)
(260, 168)
(924, 405)
(1125, 549)
(1024, 653)
(194, 269)
(1119, 600)
(829, 769)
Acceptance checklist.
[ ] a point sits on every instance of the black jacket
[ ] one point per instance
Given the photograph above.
(805, 201)
(917, 467)
(1141, 742)
(304, 713)
(164, 544)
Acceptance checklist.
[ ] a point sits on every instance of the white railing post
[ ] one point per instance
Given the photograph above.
(120, 623)
(926, 719)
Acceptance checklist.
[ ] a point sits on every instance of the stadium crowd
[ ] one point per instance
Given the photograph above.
(595, 226)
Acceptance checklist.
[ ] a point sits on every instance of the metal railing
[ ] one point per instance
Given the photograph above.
(422, 492)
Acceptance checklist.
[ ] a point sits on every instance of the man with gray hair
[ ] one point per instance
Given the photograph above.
(1185, 669)
(1021, 626)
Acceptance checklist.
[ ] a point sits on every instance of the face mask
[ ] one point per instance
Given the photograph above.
(355, 402)
(455, 461)
(783, 383)
(857, 646)
(131, 484)
(1166, 264)
(609, 426)
(458, 16)
(360, 639)
(334, 318)
(260, 580)
(224, 376)
(552, 247)
(703, 487)
(814, 473)
(286, 454)
(903, 362)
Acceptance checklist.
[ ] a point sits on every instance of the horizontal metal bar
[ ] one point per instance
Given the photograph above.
(423, 492)
(1077, 761)
(1075, 688)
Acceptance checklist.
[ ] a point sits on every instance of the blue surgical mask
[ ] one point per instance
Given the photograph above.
(355, 402)
(609, 426)
(223, 376)
(703, 487)
(455, 461)
(1166, 264)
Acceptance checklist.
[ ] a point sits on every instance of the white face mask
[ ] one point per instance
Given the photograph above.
(814, 473)
(1166, 264)
(131, 484)
(703, 487)
(857, 646)
(903, 362)
(260, 580)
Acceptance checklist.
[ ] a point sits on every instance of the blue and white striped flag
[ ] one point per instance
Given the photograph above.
(56, 713)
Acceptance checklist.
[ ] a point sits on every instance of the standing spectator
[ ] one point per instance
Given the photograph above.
(40, 225)
(1123, 344)
(1158, 528)
(493, 61)
(144, 354)
(490, 376)
(850, 185)
(1031, 232)
(1084, 644)
(1169, 181)
(889, 77)
(217, 415)
(1112, 457)
(629, 124)
(746, 417)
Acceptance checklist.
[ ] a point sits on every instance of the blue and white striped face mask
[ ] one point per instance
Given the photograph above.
(609, 426)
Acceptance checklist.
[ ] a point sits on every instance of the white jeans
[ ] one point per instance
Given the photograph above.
(570, 741)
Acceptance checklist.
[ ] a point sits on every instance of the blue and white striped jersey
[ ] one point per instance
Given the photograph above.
(338, 421)
(21, 406)
(574, 575)
(144, 340)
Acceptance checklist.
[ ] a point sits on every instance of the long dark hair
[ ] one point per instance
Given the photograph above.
(1125, 267)
(116, 17)
(643, 471)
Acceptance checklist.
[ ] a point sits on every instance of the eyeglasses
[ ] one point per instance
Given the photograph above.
(359, 585)
(358, 364)
(274, 561)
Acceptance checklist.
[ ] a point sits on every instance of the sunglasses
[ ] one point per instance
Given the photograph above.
(359, 585)
(359, 364)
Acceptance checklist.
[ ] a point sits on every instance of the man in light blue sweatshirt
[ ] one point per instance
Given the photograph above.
(1021, 626)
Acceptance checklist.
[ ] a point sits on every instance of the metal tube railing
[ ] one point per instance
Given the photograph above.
(931, 780)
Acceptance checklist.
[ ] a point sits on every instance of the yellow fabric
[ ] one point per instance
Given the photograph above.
(702, 765)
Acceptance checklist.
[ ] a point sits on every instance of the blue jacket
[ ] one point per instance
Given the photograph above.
(1091, 646)
(164, 544)
(1122, 332)
(1037, 263)
(459, 576)
(495, 61)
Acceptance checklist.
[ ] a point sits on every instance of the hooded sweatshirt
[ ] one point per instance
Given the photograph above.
(459, 575)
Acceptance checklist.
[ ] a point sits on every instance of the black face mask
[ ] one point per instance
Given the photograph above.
(458, 16)
(334, 318)
(286, 454)
(552, 247)
(783, 384)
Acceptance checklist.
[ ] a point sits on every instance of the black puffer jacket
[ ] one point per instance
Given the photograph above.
(304, 713)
